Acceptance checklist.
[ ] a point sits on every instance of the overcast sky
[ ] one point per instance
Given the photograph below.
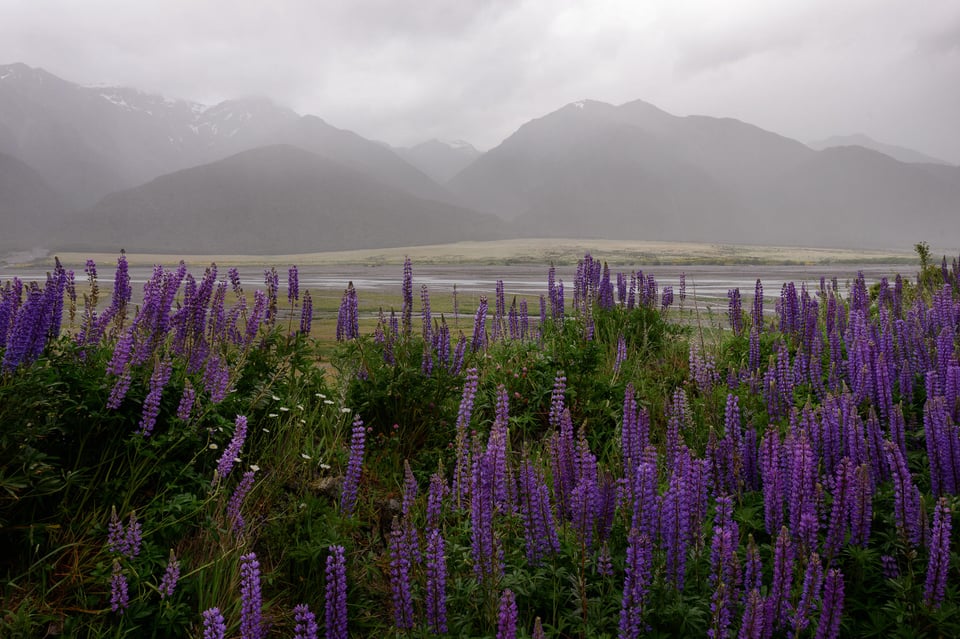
(406, 71)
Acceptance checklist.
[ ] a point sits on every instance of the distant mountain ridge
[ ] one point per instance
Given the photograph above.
(99, 167)
(899, 153)
(272, 200)
(592, 169)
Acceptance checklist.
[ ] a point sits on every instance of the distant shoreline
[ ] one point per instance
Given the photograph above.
(527, 251)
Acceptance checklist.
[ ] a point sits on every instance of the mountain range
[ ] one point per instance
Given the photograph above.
(103, 168)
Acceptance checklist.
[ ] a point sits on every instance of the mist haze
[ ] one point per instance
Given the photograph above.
(351, 127)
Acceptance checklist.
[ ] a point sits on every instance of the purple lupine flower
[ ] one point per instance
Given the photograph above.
(605, 561)
(348, 319)
(232, 451)
(861, 506)
(214, 626)
(410, 489)
(939, 562)
(151, 405)
(675, 526)
(772, 476)
(251, 599)
(306, 314)
(124, 540)
(400, 564)
(457, 364)
(115, 533)
(461, 478)
(435, 494)
(840, 511)
(621, 356)
(216, 378)
(809, 594)
(335, 610)
(499, 312)
(778, 601)
(479, 326)
(406, 292)
(538, 630)
(540, 533)
(271, 281)
(645, 499)
(235, 505)
(751, 626)
(305, 623)
(168, 584)
(351, 480)
(257, 315)
(831, 609)
(638, 574)
(293, 285)
(186, 401)
(436, 595)
(735, 311)
(426, 320)
(906, 496)
(119, 590)
(507, 615)
(753, 567)
(667, 299)
(484, 550)
(551, 291)
(557, 399)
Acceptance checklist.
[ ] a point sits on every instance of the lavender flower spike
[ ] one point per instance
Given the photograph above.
(214, 626)
(336, 594)
(251, 599)
(305, 623)
(170, 577)
(232, 451)
(351, 481)
(507, 616)
(939, 563)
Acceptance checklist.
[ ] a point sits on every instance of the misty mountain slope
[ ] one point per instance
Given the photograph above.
(899, 153)
(635, 171)
(90, 141)
(440, 160)
(29, 207)
(277, 199)
(856, 197)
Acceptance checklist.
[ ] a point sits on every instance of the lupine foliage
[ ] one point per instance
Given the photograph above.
(593, 469)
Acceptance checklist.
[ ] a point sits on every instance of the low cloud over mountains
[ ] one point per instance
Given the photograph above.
(105, 168)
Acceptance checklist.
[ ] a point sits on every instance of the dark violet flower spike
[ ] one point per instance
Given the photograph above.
(119, 589)
(939, 563)
(831, 609)
(305, 623)
(507, 616)
(293, 286)
(351, 481)
(214, 626)
(168, 584)
(436, 595)
(235, 505)
(251, 599)
(232, 451)
(336, 594)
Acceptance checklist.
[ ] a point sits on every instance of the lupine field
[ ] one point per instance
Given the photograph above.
(200, 460)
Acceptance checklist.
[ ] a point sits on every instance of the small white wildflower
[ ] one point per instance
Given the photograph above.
(345, 410)
(275, 398)
(321, 396)
(272, 415)
(254, 467)
(236, 460)
(266, 430)
(299, 406)
(328, 402)
(213, 446)
(305, 456)
(303, 421)
(325, 466)
(284, 409)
